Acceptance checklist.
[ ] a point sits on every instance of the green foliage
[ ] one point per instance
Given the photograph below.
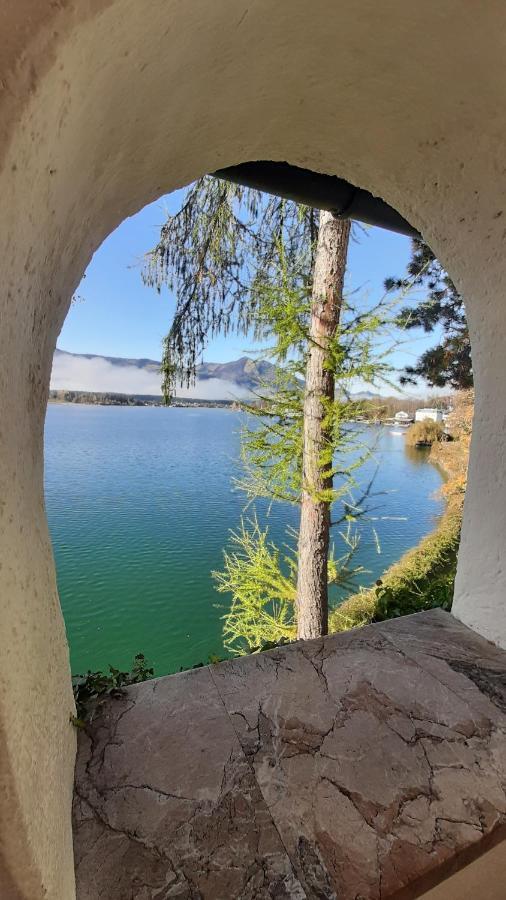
(92, 689)
(425, 581)
(448, 364)
(213, 254)
(262, 583)
(426, 433)
(272, 440)
(261, 579)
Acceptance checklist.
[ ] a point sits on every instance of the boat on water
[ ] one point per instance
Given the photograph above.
(401, 420)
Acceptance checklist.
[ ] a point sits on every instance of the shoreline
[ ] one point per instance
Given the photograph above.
(423, 576)
(82, 398)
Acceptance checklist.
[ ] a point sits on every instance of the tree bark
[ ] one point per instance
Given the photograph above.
(314, 531)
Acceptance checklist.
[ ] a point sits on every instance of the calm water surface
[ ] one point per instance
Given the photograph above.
(140, 503)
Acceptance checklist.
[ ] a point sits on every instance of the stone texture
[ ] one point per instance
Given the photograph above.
(166, 805)
(349, 767)
(438, 643)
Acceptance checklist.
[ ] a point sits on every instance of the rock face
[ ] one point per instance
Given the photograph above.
(353, 767)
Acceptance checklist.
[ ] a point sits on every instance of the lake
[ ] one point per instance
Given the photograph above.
(140, 501)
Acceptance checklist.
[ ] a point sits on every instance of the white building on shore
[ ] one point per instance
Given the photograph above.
(436, 415)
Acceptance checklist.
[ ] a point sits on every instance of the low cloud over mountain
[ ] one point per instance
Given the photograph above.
(110, 374)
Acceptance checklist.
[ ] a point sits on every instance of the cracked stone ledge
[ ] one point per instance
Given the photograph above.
(348, 767)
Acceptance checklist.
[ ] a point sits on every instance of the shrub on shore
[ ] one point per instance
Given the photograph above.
(425, 433)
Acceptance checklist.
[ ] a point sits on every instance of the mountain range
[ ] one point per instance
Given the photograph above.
(215, 381)
(235, 380)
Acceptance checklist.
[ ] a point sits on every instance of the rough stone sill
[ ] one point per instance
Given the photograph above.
(364, 766)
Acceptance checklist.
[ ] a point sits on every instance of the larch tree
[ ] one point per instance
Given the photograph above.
(260, 576)
(318, 446)
(222, 253)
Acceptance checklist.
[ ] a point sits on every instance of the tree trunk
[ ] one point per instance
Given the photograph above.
(314, 532)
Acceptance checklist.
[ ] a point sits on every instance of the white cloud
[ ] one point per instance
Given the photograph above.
(214, 389)
(76, 373)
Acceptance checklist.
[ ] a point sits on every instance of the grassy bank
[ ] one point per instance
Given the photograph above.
(423, 578)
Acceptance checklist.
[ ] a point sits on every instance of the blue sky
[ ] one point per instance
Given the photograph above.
(118, 316)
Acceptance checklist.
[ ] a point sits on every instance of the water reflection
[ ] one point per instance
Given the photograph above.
(418, 456)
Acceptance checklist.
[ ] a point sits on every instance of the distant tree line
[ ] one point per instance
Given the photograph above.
(112, 399)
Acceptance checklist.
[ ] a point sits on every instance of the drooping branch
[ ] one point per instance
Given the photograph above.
(213, 254)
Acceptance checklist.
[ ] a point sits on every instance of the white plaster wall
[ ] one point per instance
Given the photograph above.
(107, 104)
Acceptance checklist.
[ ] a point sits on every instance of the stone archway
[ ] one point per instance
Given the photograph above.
(106, 105)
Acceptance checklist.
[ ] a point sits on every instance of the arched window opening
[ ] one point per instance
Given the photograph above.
(143, 500)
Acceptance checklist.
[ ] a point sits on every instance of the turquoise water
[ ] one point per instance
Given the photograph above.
(140, 502)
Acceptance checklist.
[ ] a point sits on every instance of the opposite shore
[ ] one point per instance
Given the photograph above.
(92, 398)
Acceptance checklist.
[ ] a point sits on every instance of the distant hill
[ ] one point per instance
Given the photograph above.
(245, 372)
(235, 380)
(115, 374)
(366, 395)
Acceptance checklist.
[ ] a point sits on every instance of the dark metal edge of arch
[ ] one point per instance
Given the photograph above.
(328, 192)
